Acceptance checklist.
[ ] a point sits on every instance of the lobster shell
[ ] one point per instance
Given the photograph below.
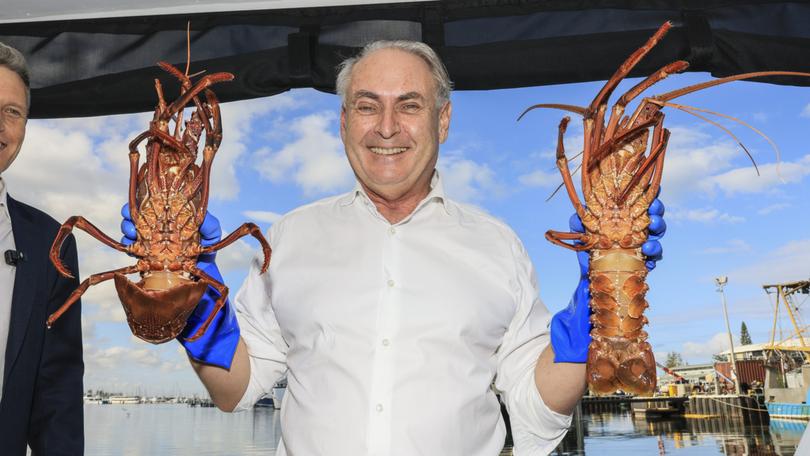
(159, 315)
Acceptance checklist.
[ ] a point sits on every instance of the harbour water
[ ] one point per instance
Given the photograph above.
(177, 429)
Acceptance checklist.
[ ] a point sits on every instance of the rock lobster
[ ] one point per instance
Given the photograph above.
(168, 198)
(621, 177)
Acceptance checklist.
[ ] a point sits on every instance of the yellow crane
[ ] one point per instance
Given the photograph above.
(784, 293)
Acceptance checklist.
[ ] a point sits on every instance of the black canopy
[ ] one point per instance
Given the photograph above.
(84, 67)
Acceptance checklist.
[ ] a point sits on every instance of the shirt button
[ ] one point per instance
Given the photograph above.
(386, 342)
(379, 408)
(392, 231)
(390, 282)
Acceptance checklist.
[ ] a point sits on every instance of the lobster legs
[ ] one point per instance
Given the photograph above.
(81, 223)
(220, 302)
(88, 282)
(244, 230)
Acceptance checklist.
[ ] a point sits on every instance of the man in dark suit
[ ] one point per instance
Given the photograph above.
(41, 402)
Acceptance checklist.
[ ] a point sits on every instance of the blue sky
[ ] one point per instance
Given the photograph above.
(284, 151)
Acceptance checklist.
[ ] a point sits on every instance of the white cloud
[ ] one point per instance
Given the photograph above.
(773, 208)
(703, 216)
(238, 121)
(692, 157)
(704, 350)
(237, 256)
(760, 116)
(786, 263)
(548, 176)
(466, 180)
(262, 216)
(540, 178)
(314, 160)
(745, 180)
(806, 111)
(117, 356)
(731, 246)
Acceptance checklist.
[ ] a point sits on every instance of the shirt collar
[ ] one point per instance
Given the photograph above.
(436, 193)
(4, 200)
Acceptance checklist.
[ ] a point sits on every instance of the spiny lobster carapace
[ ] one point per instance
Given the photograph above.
(621, 177)
(168, 198)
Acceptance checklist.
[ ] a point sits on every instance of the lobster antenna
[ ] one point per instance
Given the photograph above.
(743, 123)
(573, 157)
(562, 184)
(188, 53)
(188, 46)
(564, 107)
(738, 77)
(691, 110)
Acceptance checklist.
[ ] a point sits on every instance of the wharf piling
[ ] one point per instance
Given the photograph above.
(604, 404)
(745, 409)
(659, 406)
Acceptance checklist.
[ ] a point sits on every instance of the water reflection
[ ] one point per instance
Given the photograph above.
(621, 433)
(178, 430)
(182, 430)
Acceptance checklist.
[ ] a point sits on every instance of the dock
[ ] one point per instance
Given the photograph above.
(745, 409)
(659, 407)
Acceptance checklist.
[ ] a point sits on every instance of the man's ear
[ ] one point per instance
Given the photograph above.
(342, 121)
(444, 121)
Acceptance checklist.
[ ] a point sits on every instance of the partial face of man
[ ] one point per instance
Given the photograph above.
(390, 125)
(13, 116)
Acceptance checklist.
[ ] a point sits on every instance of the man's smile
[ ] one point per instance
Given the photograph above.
(387, 150)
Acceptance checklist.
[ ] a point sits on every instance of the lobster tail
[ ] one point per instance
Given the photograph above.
(619, 357)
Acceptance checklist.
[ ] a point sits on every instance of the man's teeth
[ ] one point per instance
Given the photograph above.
(388, 150)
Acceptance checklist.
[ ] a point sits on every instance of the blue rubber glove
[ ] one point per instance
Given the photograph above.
(218, 344)
(571, 327)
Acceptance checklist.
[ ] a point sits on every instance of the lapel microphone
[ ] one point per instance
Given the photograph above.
(14, 257)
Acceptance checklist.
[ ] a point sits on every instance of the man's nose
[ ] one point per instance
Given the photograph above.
(388, 124)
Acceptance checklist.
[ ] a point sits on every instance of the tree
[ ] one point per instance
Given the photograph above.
(720, 358)
(674, 359)
(745, 338)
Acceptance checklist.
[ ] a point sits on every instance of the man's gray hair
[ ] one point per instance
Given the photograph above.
(15, 61)
(437, 68)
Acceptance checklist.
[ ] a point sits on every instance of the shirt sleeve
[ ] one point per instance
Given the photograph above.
(259, 329)
(536, 429)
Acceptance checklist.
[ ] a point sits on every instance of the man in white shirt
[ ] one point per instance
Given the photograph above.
(391, 309)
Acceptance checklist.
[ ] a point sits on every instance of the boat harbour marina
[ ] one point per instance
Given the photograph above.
(102, 399)
(612, 425)
(602, 426)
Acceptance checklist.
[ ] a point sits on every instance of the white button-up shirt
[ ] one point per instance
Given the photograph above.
(391, 335)
(7, 274)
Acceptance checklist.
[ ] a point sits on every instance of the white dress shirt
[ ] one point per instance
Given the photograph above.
(7, 273)
(391, 335)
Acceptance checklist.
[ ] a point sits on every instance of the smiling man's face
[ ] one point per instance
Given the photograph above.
(13, 116)
(390, 125)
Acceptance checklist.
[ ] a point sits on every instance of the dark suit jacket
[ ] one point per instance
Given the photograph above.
(42, 380)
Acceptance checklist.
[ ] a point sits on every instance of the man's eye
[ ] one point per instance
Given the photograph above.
(13, 112)
(411, 107)
(366, 109)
